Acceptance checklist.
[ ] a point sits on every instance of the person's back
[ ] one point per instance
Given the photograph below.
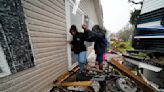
(100, 44)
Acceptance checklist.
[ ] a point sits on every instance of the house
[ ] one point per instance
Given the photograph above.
(33, 40)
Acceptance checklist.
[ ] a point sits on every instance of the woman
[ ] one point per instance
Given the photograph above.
(78, 47)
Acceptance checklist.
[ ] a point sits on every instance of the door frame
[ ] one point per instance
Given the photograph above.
(69, 3)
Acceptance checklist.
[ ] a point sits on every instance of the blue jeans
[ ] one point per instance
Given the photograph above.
(82, 59)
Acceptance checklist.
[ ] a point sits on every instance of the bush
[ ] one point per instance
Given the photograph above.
(122, 45)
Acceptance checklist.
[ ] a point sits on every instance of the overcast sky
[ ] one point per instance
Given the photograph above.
(116, 13)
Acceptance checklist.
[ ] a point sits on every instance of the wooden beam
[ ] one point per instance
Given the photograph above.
(141, 83)
(78, 83)
(65, 75)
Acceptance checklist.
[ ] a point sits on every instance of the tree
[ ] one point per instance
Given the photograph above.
(135, 13)
(134, 16)
(126, 32)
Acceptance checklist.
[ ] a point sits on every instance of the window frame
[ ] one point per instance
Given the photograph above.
(3, 64)
(69, 3)
(16, 54)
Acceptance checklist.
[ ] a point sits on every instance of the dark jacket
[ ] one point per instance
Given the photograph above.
(99, 39)
(78, 43)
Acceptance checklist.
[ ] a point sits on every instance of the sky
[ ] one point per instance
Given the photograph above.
(116, 13)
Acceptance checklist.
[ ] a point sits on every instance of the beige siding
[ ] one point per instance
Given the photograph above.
(88, 7)
(47, 28)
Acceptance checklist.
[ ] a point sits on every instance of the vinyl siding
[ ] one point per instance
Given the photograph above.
(150, 5)
(149, 24)
(88, 7)
(46, 24)
(47, 29)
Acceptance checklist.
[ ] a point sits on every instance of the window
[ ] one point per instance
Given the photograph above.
(88, 21)
(76, 19)
(15, 49)
(90, 24)
(4, 68)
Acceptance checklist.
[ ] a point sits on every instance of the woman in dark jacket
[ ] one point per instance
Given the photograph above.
(78, 47)
(97, 35)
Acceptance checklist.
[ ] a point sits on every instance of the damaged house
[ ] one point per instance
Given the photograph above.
(33, 40)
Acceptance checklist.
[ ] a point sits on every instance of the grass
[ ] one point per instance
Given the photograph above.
(121, 46)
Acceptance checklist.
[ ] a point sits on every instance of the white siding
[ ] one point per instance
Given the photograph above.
(88, 7)
(150, 5)
(149, 24)
(47, 28)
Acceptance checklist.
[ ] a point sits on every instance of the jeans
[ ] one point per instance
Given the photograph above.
(82, 59)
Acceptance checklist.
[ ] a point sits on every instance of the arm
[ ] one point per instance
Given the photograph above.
(92, 36)
(72, 42)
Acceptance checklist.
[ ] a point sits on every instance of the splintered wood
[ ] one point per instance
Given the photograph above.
(141, 83)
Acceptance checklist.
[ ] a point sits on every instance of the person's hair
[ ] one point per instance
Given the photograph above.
(73, 29)
(98, 28)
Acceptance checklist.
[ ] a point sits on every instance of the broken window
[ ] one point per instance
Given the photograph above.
(4, 68)
(14, 38)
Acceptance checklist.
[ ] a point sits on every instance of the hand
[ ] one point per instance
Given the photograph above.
(69, 42)
(85, 27)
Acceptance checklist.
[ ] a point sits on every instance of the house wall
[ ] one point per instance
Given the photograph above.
(14, 37)
(46, 24)
(91, 8)
(150, 5)
(88, 7)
